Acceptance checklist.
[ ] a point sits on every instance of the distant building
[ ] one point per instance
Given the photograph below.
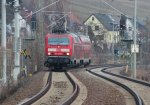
(127, 28)
(105, 26)
(73, 23)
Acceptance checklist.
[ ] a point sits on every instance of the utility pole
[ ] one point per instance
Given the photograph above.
(4, 40)
(17, 42)
(134, 40)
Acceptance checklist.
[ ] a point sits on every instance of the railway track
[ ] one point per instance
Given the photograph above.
(60, 89)
(138, 89)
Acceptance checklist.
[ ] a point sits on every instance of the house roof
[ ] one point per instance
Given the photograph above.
(110, 22)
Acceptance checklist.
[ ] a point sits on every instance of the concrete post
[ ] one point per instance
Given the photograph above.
(134, 40)
(4, 40)
(16, 71)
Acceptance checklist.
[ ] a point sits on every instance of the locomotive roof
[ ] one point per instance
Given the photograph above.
(84, 38)
(71, 34)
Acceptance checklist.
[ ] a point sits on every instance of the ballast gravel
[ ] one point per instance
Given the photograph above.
(99, 92)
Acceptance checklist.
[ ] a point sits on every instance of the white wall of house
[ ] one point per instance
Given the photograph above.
(112, 37)
(94, 22)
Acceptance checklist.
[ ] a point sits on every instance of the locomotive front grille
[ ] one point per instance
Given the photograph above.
(56, 60)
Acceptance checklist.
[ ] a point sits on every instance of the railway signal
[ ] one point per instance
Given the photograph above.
(122, 25)
(123, 22)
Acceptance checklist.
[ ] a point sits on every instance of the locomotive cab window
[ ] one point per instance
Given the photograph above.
(58, 41)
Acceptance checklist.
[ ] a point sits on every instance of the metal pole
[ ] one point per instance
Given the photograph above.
(40, 9)
(4, 40)
(134, 40)
(17, 42)
(70, 15)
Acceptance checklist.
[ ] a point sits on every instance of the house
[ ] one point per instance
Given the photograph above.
(104, 26)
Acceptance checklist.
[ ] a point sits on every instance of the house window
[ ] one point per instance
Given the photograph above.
(92, 18)
(96, 28)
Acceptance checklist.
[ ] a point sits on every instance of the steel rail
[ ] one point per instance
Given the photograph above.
(137, 98)
(68, 101)
(128, 78)
(75, 93)
(40, 94)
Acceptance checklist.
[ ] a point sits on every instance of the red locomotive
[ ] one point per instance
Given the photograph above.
(67, 49)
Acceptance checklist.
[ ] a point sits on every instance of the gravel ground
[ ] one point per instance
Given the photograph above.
(99, 92)
(33, 86)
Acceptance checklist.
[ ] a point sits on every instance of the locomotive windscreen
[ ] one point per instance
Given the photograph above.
(58, 41)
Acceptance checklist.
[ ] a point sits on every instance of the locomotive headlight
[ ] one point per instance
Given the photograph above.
(65, 50)
(49, 53)
(51, 49)
(67, 54)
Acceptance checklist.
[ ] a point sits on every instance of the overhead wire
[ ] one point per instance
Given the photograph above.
(94, 7)
(41, 9)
